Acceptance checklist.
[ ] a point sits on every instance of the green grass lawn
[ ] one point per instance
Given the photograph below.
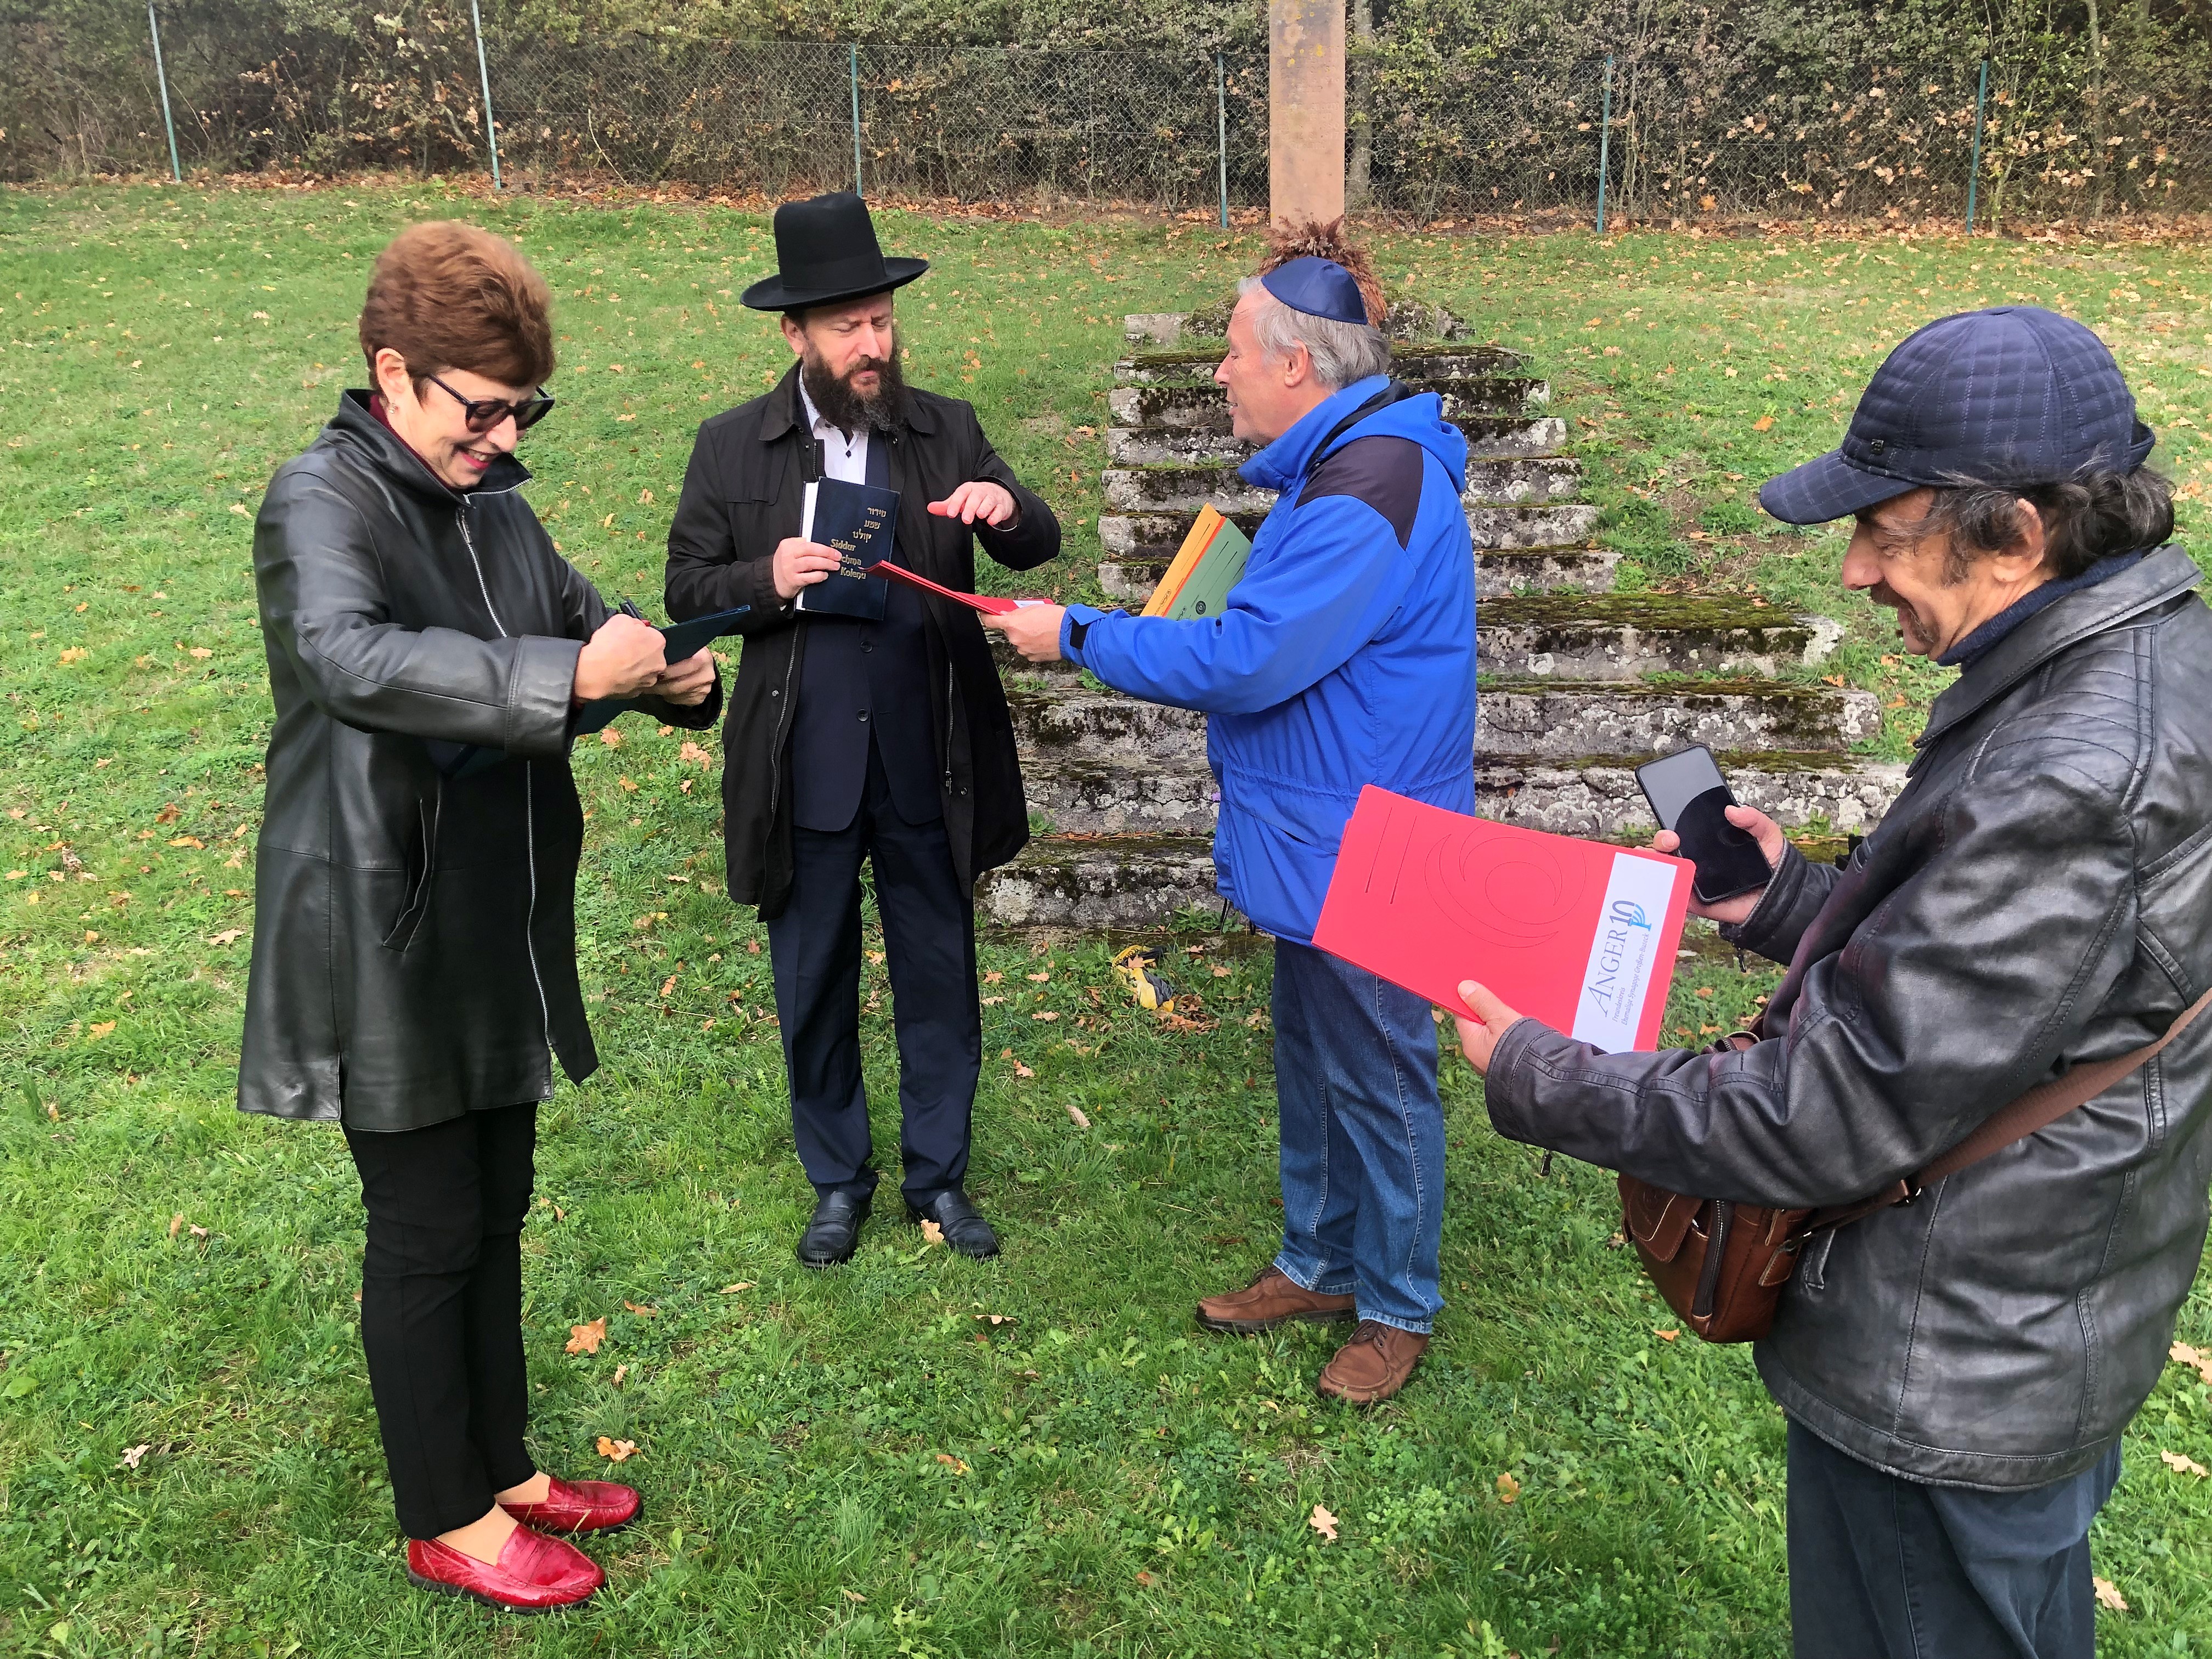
(917, 1455)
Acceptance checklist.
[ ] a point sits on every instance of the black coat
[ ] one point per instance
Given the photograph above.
(414, 935)
(2039, 898)
(743, 493)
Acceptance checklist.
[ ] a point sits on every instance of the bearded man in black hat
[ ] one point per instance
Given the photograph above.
(848, 740)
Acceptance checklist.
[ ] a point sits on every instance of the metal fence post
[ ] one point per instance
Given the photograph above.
(854, 66)
(1221, 130)
(161, 76)
(484, 76)
(1974, 166)
(1605, 143)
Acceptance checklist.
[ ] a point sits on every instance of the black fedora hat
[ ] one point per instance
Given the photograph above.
(826, 249)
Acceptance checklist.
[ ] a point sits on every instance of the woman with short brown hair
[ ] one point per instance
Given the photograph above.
(414, 932)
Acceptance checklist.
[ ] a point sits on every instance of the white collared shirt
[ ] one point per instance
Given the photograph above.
(842, 457)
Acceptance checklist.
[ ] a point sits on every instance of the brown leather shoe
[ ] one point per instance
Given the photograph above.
(1373, 1366)
(1271, 1299)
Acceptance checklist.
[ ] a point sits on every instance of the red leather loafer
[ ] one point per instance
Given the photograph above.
(580, 1506)
(533, 1574)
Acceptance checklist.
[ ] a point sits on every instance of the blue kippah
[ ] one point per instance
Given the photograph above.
(1318, 287)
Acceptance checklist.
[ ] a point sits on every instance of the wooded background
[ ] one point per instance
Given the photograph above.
(1818, 107)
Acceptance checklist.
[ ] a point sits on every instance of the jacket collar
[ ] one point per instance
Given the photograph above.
(2150, 582)
(357, 424)
(784, 411)
(1284, 461)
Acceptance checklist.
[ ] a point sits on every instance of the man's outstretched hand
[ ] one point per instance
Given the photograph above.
(993, 503)
(1478, 1037)
(1034, 630)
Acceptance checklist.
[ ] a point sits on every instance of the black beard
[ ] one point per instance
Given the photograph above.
(838, 402)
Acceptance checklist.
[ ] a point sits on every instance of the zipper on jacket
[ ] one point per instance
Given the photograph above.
(948, 723)
(529, 811)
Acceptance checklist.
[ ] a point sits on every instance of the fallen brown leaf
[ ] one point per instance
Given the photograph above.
(1075, 1115)
(585, 1338)
(132, 1454)
(932, 1233)
(2181, 1465)
(610, 737)
(1763, 423)
(947, 1458)
(643, 1309)
(618, 1451)
(853, 1595)
(2199, 1361)
(997, 1319)
(742, 1284)
(1508, 1489)
(103, 1028)
(621, 1372)
(176, 1224)
(1148, 1580)
(187, 840)
(2108, 1596)
(1666, 1336)
(228, 936)
(1322, 1523)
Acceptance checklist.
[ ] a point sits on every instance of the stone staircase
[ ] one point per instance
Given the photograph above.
(1578, 685)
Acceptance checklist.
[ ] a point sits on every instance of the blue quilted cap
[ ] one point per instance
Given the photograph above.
(2012, 396)
(1318, 287)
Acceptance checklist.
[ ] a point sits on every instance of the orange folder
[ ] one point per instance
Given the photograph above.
(1580, 934)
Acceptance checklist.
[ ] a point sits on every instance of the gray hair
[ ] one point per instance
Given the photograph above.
(2097, 512)
(1341, 352)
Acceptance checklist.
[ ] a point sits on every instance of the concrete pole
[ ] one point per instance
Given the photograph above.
(1305, 110)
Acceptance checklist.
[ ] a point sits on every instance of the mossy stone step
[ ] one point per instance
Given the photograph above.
(1553, 524)
(1593, 794)
(1070, 721)
(1416, 365)
(1099, 882)
(1564, 720)
(1530, 720)
(1069, 878)
(1183, 489)
(1201, 406)
(1628, 636)
(1488, 437)
(1596, 795)
(1499, 572)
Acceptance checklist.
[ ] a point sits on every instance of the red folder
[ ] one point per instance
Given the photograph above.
(1578, 934)
(983, 602)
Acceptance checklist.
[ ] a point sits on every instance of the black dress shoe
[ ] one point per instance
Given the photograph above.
(964, 1230)
(833, 1232)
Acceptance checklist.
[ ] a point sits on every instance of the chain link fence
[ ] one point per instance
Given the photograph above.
(1663, 132)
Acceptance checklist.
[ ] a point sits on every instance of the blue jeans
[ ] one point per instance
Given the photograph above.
(1362, 1136)
(1885, 1568)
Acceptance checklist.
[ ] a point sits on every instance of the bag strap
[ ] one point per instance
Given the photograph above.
(2038, 1109)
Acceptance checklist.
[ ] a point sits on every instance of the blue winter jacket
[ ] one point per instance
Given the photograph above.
(1345, 656)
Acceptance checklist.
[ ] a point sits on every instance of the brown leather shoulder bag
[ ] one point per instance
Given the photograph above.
(1721, 1266)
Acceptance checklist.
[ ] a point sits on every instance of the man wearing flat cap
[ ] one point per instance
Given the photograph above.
(1345, 656)
(884, 741)
(1990, 1060)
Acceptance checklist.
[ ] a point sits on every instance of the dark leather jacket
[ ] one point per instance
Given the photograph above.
(2040, 896)
(742, 494)
(414, 935)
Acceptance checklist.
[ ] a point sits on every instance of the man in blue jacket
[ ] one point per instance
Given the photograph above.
(1345, 656)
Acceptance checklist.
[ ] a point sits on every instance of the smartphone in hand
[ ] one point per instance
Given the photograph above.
(1689, 796)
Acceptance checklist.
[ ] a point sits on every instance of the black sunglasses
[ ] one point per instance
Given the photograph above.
(485, 413)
